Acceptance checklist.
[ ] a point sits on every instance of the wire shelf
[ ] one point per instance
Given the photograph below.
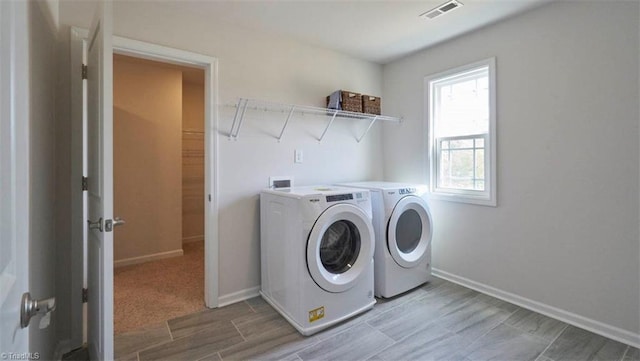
(245, 104)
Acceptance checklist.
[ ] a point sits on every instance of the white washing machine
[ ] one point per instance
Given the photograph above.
(403, 228)
(317, 246)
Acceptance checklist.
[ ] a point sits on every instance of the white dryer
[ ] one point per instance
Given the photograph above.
(403, 228)
(317, 246)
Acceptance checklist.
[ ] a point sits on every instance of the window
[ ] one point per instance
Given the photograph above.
(461, 122)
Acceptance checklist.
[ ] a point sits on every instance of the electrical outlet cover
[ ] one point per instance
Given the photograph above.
(280, 182)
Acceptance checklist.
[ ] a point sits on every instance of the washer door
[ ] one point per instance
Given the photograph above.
(340, 247)
(409, 231)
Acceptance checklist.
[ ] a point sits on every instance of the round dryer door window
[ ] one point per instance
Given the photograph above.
(340, 247)
(409, 231)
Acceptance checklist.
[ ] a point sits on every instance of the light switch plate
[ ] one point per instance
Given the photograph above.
(298, 156)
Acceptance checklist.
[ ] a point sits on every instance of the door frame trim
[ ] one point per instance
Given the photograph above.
(140, 49)
(78, 198)
(149, 51)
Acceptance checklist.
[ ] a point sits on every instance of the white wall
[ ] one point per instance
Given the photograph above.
(193, 159)
(147, 156)
(266, 67)
(42, 83)
(565, 232)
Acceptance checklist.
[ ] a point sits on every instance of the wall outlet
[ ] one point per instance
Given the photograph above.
(298, 156)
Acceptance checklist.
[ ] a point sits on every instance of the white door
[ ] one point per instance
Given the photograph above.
(100, 192)
(14, 173)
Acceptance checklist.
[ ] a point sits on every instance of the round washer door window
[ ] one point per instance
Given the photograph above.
(409, 231)
(340, 247)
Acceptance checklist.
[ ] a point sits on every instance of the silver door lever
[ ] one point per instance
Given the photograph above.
(110, 223)
(31, 307)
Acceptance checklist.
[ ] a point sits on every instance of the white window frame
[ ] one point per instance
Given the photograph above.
(488, 197)
(438, 155)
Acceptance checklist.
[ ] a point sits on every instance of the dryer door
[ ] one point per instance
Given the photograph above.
(340, 247)
(409, 231)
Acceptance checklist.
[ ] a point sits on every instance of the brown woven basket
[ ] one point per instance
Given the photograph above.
(371, 104)
(351, 101)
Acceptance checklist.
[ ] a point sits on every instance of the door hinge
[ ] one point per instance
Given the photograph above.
(84, 71)
(85, 183)
(85, 295)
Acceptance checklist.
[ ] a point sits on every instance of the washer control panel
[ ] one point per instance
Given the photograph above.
(340, 197)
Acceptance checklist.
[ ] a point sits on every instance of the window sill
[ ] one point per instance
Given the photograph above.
(463, 198)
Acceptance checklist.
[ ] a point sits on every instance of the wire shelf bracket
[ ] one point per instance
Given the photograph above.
(368, 128)
(333, 117)
(238, 117)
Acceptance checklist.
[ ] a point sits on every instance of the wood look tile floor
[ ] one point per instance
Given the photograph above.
(438, 321)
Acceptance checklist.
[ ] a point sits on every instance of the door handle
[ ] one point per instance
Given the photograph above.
(118, 222)
(31, 307)
(110, 223)
(95, 225)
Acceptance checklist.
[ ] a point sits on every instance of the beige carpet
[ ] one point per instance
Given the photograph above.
(155, 291)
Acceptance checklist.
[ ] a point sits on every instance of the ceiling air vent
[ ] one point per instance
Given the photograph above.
(441, 9)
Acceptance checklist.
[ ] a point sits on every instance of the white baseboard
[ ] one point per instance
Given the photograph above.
(147, 258)
(612, 332)
(238, 296)
(63, 347)
(193, 239)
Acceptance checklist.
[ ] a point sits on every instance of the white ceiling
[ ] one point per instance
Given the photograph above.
(377, 31)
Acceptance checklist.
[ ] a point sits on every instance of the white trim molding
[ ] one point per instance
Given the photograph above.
(612, 332)
(209, 64)
(78, 198)
(239, 296)
(148, 258)
(487, 197)
(193, 239)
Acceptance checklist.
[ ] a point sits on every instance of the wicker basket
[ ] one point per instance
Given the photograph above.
(351, 101)
(371, 104)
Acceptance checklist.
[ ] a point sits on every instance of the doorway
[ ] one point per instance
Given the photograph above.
(158, 152)
(81, 319)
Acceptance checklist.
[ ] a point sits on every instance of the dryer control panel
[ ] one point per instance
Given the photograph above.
(406, 190)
